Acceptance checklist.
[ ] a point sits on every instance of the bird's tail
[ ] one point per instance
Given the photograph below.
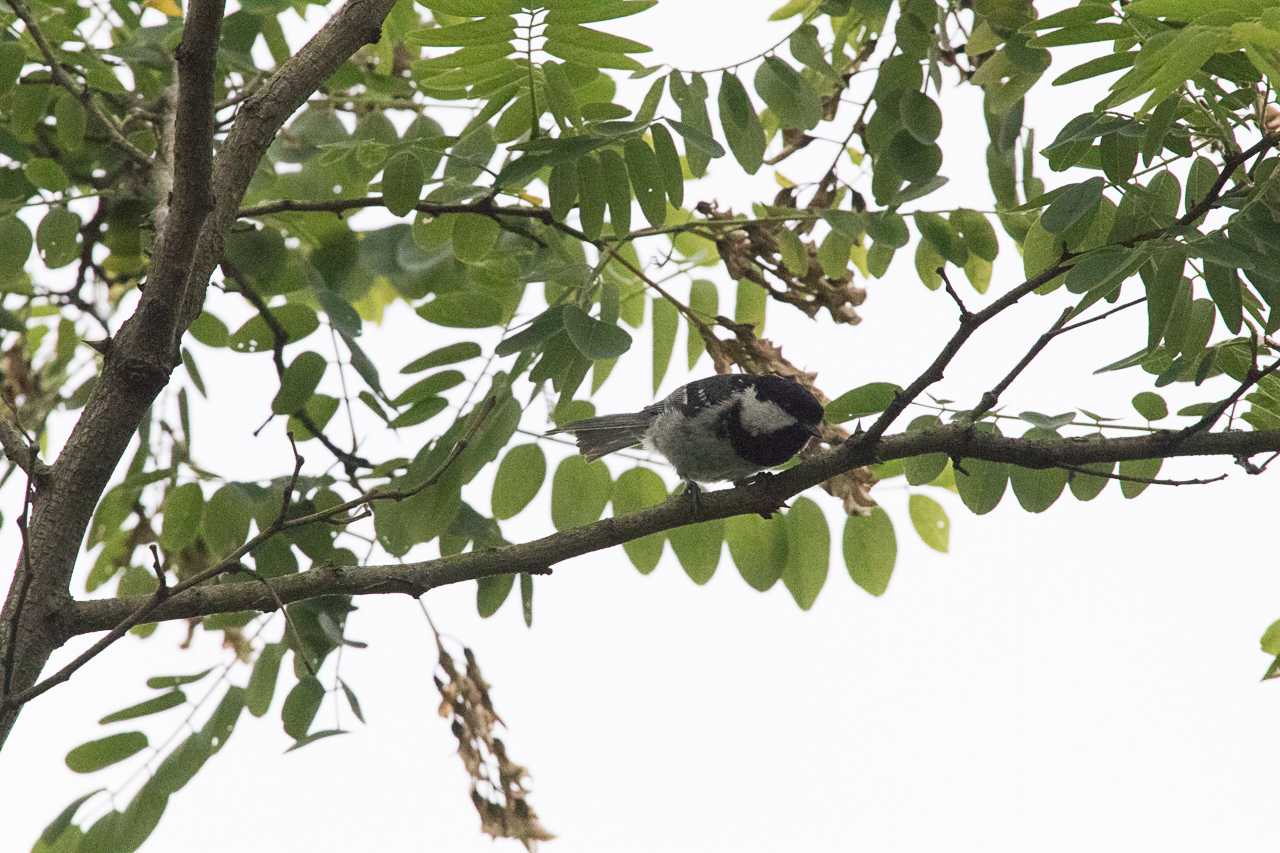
(607, 433)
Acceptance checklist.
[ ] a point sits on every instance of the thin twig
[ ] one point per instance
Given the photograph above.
(232, 561)
(951, 291)
(83, 94)
(991, 397)
(1149, 481)
(1252, 378)
(351, 462)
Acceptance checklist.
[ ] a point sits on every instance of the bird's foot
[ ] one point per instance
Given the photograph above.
(755, 480)
(694, 491)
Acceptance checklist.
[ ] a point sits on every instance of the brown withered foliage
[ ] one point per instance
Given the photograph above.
(750, 252)
(762, 356)
(498, 784)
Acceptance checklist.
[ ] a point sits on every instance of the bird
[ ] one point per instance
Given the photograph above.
(727, 427)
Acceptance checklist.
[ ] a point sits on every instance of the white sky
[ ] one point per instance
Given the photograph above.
(1083, 679)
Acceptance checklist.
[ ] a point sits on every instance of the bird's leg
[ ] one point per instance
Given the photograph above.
(755, 480)
(694, 491)
(758, 477)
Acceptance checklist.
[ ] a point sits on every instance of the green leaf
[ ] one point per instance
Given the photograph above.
(833, 254)
(930, 521)
(869, 399)
(981, 483)
(163, 702)
(593, 40)
(920, 116)
(750, 305)
(596, 10)
(1270, 644)
(664, 148)
(594, 338)
(222, 721)
(103, 752)
(262, 681)
(579, 492)
(924, 469)
(647, 180)
(402, 180)
(591, 195)
(519, 477)
(1079, 201)
(300, 706)
(70, 121)
(429, 386)
(12, 57)
(804, 46)
(462, 310)
(808, 552)
(758, 548)
(1142, 469)
(141, 816)
(168, 682)
(870, 550)
(1086, 487)
(1150, 405)
(562, 187)
(1225, 291)
(313, 737)
(451, 354)
(255, 335)
(617, 187)
(976, 231)
(488, 30)
(916, 161)
(697, 547)
(742, 128)
(474, 237)
(46, 174)
(1037, 488)
(665, 322)
(634, 490)
(56, 237)
(15, 245)
(703, 144)
(704, 302)
(60, 823)
(298, 383)
(491, 592)
(183, 509)
(787, 94)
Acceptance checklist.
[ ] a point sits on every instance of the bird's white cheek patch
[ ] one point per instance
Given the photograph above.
(762, 416)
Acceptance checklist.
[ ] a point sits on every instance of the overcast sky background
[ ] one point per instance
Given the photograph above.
(1080, 679)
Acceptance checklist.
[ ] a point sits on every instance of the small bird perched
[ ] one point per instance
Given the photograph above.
(725, 427)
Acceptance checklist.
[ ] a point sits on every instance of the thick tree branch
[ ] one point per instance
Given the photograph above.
(955, 440)
(137, 365)
(143, 354)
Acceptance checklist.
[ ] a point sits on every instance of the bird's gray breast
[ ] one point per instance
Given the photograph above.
(699, 445)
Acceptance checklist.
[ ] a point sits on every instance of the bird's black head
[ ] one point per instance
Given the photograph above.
(792, 397)
(760, 435)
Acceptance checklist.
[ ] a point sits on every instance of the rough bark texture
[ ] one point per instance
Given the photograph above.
(958, 441)
(206, 196)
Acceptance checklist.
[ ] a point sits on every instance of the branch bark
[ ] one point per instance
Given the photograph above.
(206, 198)
(956, 440)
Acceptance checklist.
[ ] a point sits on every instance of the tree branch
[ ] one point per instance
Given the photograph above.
(20, 450)
(137, 365)
(82, 93)
(955, 440)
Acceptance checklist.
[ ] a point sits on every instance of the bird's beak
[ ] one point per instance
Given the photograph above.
(815, 431)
